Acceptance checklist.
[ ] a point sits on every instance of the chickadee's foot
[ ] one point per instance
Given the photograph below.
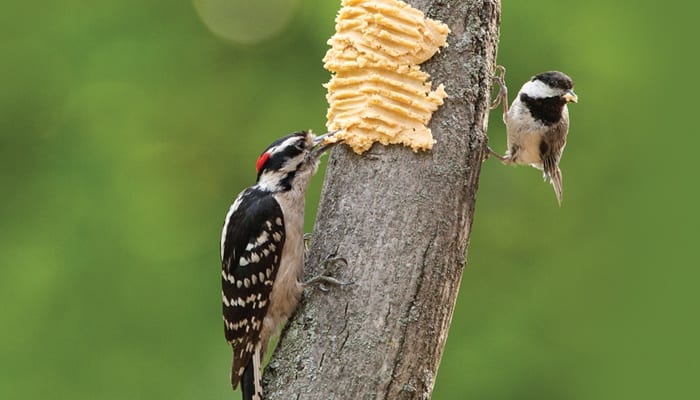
(503, 159)
(330, 265)
(491, 153)
(502, 96)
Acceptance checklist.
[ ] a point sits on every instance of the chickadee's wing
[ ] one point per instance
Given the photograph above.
(551, 149)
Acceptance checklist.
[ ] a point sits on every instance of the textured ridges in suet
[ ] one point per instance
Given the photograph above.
(378, 92)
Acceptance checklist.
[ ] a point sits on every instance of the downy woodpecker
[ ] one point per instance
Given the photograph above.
(262, 253)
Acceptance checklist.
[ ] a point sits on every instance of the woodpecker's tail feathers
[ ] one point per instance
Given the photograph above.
(251, 380)
(247, 383)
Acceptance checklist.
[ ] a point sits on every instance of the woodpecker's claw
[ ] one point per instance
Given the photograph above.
(307, 242)
(330, 263)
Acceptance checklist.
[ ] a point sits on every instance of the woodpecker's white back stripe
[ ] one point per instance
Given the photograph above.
(231, 209)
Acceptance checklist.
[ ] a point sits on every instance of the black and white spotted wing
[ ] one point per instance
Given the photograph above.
(251, 250)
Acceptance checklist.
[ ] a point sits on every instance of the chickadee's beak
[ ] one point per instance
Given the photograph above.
(570, 97)
(319, 147)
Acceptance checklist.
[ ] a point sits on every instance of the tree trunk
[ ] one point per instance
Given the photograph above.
(402, 221)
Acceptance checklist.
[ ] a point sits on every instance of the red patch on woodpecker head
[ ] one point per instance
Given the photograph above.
(261, 161)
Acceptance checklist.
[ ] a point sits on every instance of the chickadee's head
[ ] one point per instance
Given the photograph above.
(546, 94)
(550, 84)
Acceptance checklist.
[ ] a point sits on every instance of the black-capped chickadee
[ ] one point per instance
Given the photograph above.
(537, 123)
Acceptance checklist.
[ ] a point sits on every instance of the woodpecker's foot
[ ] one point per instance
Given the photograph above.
(502, 96)
(330, 265)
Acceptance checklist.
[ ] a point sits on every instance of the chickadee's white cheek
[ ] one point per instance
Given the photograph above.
(539, 89)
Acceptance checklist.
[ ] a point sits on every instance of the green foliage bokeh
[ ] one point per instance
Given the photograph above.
(126, 129)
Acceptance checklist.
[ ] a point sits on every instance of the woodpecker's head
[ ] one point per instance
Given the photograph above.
(290, 160)
(546, 95)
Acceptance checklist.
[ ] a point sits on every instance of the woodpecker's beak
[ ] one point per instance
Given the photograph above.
(320, 147)
(570, 97)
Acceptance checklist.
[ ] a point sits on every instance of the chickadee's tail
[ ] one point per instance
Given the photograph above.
(555, 179)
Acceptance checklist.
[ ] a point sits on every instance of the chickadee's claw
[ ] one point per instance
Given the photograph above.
(495, 102)
(504, 159)
(502, 96)
(485, 149)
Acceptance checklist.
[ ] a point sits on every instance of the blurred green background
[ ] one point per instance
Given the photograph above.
(126, 129)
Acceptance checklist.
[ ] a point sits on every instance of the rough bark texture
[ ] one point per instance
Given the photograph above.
(402, 221)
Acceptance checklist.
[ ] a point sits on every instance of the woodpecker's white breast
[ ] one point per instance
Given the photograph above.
(287, 289)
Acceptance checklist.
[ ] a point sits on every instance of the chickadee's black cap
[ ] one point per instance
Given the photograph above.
(555, 79)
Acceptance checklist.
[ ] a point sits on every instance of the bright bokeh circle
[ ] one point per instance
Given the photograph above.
(246, 22)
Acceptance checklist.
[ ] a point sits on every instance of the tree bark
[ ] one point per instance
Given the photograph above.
(402, 221)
